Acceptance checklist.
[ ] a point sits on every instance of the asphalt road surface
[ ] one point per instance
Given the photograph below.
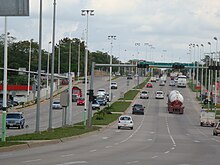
(158, 138)
(77, 111)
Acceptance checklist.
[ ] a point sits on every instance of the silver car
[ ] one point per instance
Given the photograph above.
(144, 95)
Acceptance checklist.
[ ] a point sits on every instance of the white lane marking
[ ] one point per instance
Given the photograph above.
(196, 141)
(108, 146)
(118, 131)
(105, 138)
(171, 137)
(152, 132)
(67, 155)
(215, 140)
(172, 148)
(76, 162)
(116, 144)
(133, 162)
(30, 161)
(154, 157)
(149, 139)
(92, 150)
(166, 152)
(5, 155)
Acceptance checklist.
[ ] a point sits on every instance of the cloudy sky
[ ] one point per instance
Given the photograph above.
(168, 25)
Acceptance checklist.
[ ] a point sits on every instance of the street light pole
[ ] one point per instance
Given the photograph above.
(86, 13)
(78, 73)
(197, 68)
(37, 129)
(52, 68)
(201, 84)
(29, 68)
(48, 65)
(209, 78)
(58, 67)
(216, 72)
(194, 66)
(111, 38)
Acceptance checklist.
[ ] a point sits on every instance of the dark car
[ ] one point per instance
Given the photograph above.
(138, 109)
(101, 100)
(129, 76)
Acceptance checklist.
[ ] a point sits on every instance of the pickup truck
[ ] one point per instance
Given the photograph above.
(207, 118)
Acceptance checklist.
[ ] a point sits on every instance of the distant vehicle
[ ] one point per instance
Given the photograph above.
(144, 95)
(76, 93)
(159, 95)
(101, 100)
(163, 78)
(153, 79)
(149, 85)
(181, 81)
(95, 105)
(56, 105)
(175, 102)
(125, 121)
(207, 118)
(138, 109)
(80, 101)
(162, 83)
(172, 83)
(114, 85)
(129, 76)
(101, 91)
(216, 130)
(117, 74)
(15, 119)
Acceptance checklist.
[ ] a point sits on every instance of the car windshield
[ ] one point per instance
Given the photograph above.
(56, 102)
(138, 105)
(160, 93)
(144, 92)
(13, 116)
(125, 118)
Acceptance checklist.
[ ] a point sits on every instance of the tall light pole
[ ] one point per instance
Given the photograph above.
(78, 73)
(216, 72)
(197, 68)
(37, 129)
(70, 85)
(5, 84)
(52, 68)
(58, 67)
(29, 69)
(201, 79)
(86, 13)
(146, 44)
(194, 51)
(209, 78)
(111, 38)
(48, 65)
(190, 54)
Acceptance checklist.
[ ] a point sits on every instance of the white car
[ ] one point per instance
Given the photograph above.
(159, 95)
(101, 91)
(172, 83)
(144, 95)
(56, 105)
(95, 105)
(125, 121)
(114, 85)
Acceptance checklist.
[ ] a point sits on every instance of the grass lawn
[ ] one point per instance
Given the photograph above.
(120, 106)
(130, 95)
(57, 133)
(106, 119)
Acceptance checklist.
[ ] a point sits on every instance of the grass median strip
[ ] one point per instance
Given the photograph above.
(130, 95)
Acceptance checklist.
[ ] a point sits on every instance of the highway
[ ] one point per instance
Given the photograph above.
(77, 111)
(158, 138)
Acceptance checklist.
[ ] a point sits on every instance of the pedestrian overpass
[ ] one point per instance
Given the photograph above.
(167, 65)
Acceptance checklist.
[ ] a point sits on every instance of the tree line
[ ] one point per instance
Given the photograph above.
(18, 57)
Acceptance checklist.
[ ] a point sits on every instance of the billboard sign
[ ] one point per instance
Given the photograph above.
(14, 8)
